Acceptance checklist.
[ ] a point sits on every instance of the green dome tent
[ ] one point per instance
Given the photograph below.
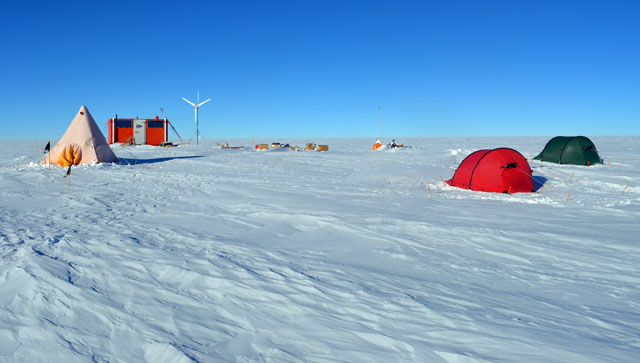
(577, 150)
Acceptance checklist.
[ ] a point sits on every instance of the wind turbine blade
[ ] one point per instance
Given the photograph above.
(189, 102)
(203, 102)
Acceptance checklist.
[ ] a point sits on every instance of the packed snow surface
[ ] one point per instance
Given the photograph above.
(202, 254)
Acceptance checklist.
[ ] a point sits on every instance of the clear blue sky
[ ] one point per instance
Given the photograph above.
(320, 68)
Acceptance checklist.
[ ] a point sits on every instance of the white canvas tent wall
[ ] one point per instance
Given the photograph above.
(82, 143)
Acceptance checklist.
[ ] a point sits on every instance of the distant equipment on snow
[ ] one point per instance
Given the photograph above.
(392, 145)
(277, 146)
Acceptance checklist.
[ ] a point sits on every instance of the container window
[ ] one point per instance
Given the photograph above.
(124, 124)
(155, 124)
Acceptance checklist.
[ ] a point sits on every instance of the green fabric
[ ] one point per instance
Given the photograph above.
(552, 152)
(577, 150)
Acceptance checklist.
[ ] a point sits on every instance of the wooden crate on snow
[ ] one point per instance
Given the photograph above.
(322, 148)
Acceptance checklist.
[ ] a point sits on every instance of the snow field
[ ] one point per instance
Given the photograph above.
(203, 254)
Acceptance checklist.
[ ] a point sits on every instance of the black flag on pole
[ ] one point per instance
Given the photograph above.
(48, 147)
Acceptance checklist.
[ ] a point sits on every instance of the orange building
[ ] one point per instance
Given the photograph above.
(149, 131)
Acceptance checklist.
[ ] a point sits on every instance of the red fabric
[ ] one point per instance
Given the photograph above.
(462, 177)
(500, 170)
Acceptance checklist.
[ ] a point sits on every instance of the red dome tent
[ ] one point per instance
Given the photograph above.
(501, 170)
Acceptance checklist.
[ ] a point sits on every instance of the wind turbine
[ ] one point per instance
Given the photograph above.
(195, 107)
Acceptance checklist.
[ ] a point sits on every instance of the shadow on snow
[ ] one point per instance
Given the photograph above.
(133, 161)
(538, 182)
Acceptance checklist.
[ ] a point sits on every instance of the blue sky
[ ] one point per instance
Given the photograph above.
(288, 69)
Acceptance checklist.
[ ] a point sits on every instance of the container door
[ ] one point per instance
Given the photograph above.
(140, 132)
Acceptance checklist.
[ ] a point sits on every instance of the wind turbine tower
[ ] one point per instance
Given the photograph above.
(195, 107)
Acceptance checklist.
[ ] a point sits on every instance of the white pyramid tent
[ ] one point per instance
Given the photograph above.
(82, 143)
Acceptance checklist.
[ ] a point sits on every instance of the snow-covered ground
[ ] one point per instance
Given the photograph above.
(202, 254)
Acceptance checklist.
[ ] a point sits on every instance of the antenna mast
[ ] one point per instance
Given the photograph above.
(195, 107)
(381, 128)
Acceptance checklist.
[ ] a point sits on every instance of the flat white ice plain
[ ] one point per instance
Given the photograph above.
(199, 254)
